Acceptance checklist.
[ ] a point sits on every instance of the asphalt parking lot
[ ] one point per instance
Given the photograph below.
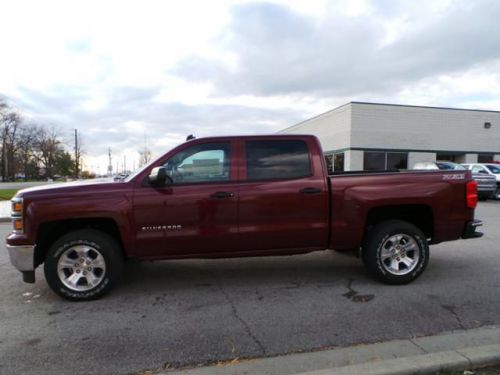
(190, 312)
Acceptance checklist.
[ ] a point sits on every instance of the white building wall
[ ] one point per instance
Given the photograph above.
(468, 158)
(423, 128)
(333, 128)
(421, 131)
(353, 160)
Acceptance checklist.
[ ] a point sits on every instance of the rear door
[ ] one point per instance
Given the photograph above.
(283, 195)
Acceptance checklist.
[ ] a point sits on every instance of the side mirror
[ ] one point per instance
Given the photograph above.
(158, 177)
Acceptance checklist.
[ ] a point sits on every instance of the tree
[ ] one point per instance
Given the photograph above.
(25, 158)
(64, 165)
(48, 150)
(33, 150)
(10, 123)
(144, 156)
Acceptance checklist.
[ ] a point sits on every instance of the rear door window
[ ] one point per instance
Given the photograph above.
(277, 159)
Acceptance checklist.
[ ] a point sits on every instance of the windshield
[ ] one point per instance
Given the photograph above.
(493, 168)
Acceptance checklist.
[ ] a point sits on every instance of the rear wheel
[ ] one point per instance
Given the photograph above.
(395, 252)
(83, 265)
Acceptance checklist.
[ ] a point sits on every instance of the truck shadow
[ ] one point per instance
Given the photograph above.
(321, 268)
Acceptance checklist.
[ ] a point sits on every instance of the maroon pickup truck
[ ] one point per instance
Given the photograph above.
(236, 197)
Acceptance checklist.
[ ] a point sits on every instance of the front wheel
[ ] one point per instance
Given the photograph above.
(496, 194)
(395, 252)
(83, 265)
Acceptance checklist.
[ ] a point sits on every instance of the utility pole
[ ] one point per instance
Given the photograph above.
(77, 161)
(110, 165)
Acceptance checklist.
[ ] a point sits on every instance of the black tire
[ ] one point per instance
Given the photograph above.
(496, 194)
(408, 249)
(97, 259)
(483, 197)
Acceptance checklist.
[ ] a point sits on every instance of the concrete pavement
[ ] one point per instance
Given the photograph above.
(4, 211)
(455, 350)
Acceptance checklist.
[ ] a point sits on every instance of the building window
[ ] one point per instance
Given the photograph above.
(329, 163)
(484, 158)
(379, 160)
(373, 161)
(449, 156)
(397, 160)
(338, 162)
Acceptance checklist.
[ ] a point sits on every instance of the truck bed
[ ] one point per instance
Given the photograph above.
(425, 198)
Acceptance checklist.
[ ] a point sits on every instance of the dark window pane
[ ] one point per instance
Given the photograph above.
(484, 158)
(329, 163)
(373, 161)
(338, 162)
(446, 156)
(268, 160)
(397, 160)
(208, 162)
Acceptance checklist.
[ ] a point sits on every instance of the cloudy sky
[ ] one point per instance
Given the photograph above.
(126, 73)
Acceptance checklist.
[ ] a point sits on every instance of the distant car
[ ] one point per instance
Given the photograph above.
(487, 169)
(486, 184)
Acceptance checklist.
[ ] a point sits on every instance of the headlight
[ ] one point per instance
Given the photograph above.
(17, 214)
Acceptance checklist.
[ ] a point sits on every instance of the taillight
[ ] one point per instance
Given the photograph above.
(471, 194)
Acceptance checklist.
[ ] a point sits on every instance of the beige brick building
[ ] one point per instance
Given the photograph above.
(368, 136)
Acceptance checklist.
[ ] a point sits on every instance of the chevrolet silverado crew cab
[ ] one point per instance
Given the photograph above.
(237, 197)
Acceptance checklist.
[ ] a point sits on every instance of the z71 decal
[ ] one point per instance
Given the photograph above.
(453, 177)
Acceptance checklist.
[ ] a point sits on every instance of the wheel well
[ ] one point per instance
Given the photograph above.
(51, 231)
(419, 215)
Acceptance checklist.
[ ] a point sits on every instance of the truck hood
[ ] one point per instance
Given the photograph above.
(74, 186)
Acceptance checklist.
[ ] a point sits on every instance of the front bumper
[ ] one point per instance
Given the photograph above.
(487, 189)
(22, 257)
(470, 229)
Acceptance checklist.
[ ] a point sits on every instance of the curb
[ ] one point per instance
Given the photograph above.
(456, 350)
(465, 359)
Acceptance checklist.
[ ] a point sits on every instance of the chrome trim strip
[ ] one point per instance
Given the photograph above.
(22, 257)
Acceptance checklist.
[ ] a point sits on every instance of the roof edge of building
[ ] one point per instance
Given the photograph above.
(418, 106)
(320, 115)
(383, 104)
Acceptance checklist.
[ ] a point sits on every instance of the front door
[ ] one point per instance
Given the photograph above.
(197, 213)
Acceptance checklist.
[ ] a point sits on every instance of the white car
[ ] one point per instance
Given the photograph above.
(487, 168)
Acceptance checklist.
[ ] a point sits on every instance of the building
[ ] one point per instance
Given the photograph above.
(371, 136)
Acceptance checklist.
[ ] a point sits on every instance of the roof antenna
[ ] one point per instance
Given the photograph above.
(189, 137)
